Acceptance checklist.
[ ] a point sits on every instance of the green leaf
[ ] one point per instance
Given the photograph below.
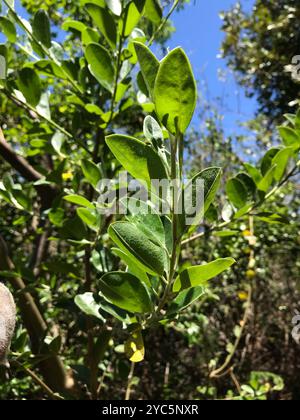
(78, 199)
(266, 161)
(126, 292)
(57, 141)
(168, 228)
(91, 172)
(23, 199)
(153, 11)
(4, 60)
(89, 36)
(8, 29)
(290, 118)
(8, 182)
(144, 217)
(227, 233)
(289, 136)
(52, 345)
(139, 159)
(56, 216)
(243, 210)
(115, 6)
(48, 67)
(133, 268)
(73, 229)
(113, 310)
(94, 109)
(105, 22)
(212, 214)
(142, 84)
(30, 85)
(175, 92)
(199, 275)
(267, 180)
(253, 172)
(152, 130)
(281, 160)
(43, 107)
(236, 192)
(248, 183)
(101, 3)
(41, 28)
(89, 217)
(185, 299)
(297, 120)
(73, 24)
(272, 218)
(211, 178)
(146, 254)
(9, 274)
(121, 90)
(133, 14)
(148, 63)
(87, 304)
(101, 65)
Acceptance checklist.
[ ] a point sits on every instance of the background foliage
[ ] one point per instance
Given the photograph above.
(243, 323)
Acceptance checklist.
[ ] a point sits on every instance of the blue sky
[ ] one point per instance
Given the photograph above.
(198, 31)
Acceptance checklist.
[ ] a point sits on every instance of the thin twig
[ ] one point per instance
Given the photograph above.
(220, 371)
(163, 23)
(101, 383)
(235, 380)
(129, 382)
(118, 69)
(38, 381)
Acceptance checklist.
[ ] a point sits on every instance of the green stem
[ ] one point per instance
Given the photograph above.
(176, 171)
(118, 69)
(164, 21)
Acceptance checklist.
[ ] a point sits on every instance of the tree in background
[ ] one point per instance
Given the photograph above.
(258, 47)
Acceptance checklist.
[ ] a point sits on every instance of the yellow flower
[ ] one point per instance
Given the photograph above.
(67, 176)
(243, 295)
(250, 274)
